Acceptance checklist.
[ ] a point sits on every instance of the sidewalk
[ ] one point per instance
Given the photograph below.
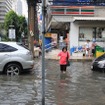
(81, 58)
(53, 55)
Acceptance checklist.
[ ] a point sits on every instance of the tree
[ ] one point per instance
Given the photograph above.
(22, 26)
(1, 28)
(11, 18)
(19, 23)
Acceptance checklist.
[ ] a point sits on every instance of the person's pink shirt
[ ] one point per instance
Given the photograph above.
(63, 57)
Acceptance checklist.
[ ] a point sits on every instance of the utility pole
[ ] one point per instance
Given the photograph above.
(36, 30)
(43, 49)
(31, 23)
(31, 15)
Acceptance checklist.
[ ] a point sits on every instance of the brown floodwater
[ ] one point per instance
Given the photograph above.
(79, 86)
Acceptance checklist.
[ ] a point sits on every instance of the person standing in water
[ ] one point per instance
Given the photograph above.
(64, 55)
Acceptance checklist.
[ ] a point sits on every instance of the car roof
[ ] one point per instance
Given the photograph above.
(14, 44)
(8, 42)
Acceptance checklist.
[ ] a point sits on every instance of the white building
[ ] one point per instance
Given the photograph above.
(5, 7)
(81, 23)
(20, 7)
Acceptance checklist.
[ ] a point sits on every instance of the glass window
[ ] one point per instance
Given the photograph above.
(85, 33)
(99, 34)
(6, 48)
(92, 33)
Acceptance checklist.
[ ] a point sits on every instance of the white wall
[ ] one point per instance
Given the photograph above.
(20, 7)
(74, 30)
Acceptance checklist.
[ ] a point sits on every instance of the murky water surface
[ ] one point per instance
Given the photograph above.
(79, 86)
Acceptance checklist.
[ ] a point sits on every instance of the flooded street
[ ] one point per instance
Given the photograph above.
(79, 86)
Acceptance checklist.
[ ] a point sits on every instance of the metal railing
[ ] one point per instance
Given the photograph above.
(50, 46)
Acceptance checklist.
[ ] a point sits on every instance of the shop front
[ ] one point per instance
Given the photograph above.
(93, 34)
(86, 28)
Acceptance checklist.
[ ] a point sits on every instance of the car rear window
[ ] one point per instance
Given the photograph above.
(6, 48)
(20, 44)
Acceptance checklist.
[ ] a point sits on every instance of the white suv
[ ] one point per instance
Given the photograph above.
(14, 58)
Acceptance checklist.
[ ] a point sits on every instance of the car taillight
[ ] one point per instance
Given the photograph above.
(29, 53)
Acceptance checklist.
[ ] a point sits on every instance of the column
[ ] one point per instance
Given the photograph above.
(73, 35)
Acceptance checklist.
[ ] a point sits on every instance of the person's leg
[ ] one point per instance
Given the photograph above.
(93, 52)
(61, 68)
(64, 68)
(88, 53)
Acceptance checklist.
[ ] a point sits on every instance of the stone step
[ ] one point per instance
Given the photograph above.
(78, 54)
(53, 54)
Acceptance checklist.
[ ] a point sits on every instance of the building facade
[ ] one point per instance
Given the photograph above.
(80, 22)
(5, 7)
(21, 8)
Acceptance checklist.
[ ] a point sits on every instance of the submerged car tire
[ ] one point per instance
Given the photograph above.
(13, 69)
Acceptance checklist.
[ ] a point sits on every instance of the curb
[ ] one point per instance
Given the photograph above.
(75, 60)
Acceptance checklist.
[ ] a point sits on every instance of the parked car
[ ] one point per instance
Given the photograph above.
(99, 63)
(14, 58)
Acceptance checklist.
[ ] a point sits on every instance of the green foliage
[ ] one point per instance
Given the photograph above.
(22, 25)
(1, 28)
(2, 32)
(11, 18)
(19, 23)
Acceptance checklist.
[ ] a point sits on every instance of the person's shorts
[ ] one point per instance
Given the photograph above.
(93, 51)
(63, 67)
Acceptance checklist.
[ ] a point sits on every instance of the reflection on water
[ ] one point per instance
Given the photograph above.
(17, 90)
(78, 86)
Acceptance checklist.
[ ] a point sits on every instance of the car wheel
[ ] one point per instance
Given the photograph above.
(13, 69)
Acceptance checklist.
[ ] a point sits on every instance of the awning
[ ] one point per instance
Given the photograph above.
(88, 19)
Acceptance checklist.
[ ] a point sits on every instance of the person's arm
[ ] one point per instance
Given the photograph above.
(59, 54)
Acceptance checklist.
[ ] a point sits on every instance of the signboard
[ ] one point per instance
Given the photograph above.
(48, 35)
(12, 34)
(72, 10)
(79, 2)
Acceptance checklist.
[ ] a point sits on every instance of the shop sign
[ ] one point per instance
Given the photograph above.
(78, 2)
(12, 33)
(48, 35)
